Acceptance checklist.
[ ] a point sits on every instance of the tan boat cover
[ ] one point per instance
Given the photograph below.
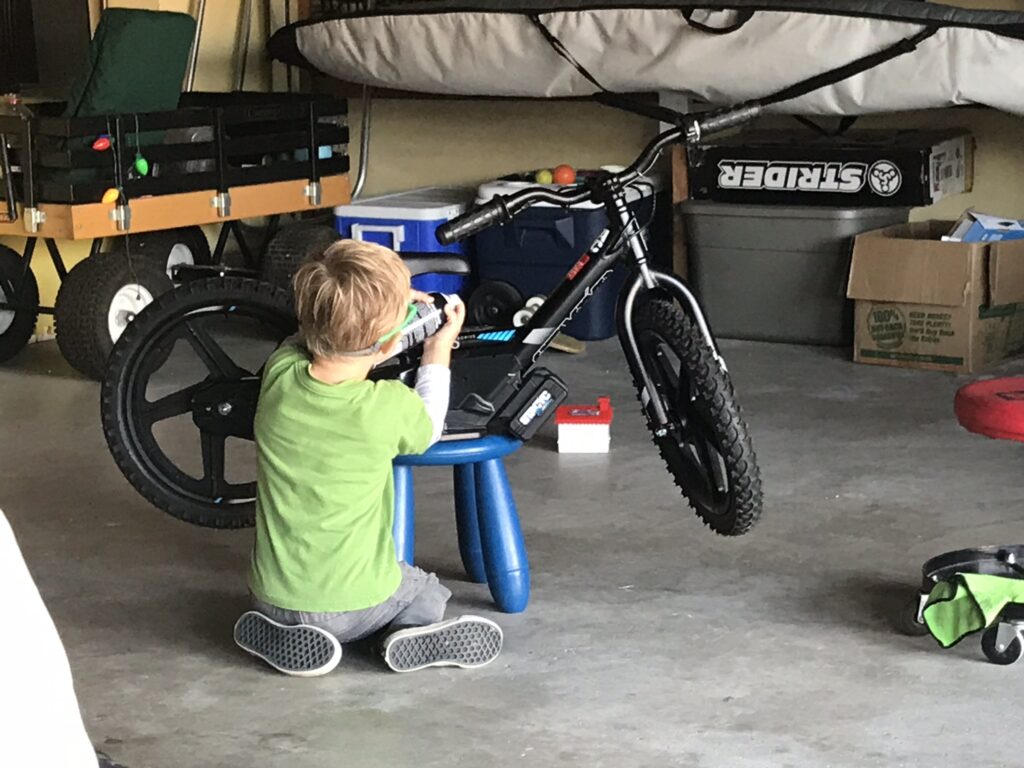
(720, 52)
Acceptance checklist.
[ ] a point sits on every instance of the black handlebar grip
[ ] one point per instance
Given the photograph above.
(477, 220)
(721, 120)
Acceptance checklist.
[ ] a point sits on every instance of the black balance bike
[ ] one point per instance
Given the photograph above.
(218, 331)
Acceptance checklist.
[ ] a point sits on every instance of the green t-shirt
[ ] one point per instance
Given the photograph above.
(325, 494)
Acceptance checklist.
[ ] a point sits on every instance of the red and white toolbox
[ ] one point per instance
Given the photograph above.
(585, 428)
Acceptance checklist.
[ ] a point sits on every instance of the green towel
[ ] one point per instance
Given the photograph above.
(967, 603)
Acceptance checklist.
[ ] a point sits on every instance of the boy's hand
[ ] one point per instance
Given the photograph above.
(456, 314)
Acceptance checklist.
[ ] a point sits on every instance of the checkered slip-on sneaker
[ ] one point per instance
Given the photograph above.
(467, 642)
(300, 649)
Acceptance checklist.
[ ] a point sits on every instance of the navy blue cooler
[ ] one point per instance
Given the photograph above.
(533, 253)
(407, 221)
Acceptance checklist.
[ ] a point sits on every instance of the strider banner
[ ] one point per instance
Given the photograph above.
(860, 168)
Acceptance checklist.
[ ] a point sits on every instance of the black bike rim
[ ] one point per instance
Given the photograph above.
(691, 443)
(142, 415)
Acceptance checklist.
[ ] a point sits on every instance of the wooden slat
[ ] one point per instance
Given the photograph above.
(680, 192)
(85, 222)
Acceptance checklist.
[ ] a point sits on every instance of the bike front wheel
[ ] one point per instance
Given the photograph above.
(705, 444)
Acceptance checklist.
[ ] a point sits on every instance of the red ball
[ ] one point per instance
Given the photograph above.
(564, 174)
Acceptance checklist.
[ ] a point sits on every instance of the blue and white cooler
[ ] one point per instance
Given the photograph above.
(407, 222)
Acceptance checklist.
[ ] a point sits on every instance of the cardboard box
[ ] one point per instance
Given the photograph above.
(925, 303)
(858, 168)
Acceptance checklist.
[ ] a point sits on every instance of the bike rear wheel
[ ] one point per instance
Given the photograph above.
(706, 446)
(180, 393)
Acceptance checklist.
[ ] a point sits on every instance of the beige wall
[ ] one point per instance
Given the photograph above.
(998, 164)
(419, 142)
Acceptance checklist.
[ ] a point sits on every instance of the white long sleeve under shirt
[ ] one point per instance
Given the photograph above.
(433, 385)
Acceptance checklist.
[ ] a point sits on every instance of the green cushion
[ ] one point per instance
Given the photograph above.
(137, 62)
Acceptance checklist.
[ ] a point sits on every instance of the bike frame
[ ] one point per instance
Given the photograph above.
(489, 366)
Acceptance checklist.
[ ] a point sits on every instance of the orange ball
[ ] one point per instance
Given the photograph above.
(564, 174)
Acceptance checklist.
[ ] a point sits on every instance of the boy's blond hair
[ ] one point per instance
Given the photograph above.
(349, 296)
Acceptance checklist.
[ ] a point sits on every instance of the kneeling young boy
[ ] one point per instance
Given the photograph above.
(324, 569)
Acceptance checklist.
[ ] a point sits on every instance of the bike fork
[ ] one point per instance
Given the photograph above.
(652, 279)
(647, 279)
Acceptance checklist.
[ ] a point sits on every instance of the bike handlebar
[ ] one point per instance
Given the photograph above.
(724, 119)
(494, 212)
(502, 208)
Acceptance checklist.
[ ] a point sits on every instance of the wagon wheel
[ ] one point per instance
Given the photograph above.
(292, 245)
(97, 300)
(16, 325)
(170, 248)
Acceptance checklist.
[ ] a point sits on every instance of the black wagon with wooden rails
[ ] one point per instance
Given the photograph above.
(140, 187)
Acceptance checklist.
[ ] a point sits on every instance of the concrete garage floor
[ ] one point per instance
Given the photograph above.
(648, 641)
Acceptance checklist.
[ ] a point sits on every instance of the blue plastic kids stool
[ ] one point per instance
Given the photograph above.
(490, 540)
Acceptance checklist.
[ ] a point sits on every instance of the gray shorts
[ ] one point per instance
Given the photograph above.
(419, 600)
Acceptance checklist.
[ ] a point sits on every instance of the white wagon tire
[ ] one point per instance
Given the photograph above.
(97, 301)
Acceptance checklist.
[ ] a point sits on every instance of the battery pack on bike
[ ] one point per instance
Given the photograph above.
(535, 403)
